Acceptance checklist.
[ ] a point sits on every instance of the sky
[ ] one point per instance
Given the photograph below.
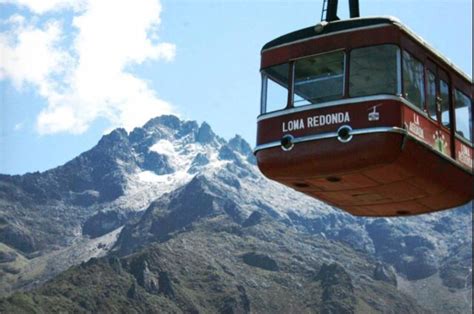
(73, 70)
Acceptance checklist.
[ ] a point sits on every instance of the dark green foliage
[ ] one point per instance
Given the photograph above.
(196, 249)
(456, 273)
(207, 269)
(260, 260)
(95, 286)
(383, 273)
(338, 291)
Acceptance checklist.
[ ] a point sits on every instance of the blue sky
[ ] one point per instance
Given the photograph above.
(71, 70)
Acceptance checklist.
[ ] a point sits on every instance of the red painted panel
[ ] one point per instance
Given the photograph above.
(445, 199)
(389, 173)
(348, 182)
(426, 131)
(313, 121)
(372, 175)
(310, 160)
(464, 154)
(353, 39)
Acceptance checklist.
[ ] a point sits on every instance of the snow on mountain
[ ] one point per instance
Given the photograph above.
(185, 159)
(127, 175)
(186, 150)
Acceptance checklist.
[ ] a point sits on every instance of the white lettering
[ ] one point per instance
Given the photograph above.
(315, 121)
(416, 119)
(328, 119)
(293, 125)
(416, 130)
(464, 156)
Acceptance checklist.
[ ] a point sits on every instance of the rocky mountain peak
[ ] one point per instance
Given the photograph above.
(175, 181)
(115, 136)
(205, 134)
(168, 121)
(167, 127)
(240, 145)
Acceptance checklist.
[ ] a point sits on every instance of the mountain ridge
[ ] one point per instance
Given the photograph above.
(170, 178)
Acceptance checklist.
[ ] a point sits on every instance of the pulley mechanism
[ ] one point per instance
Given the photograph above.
(330, 9)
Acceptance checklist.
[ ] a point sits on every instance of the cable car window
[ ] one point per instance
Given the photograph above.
(414, 90)
(275, 88)
(431, 97)
(444, 94)
(373, 70)
(463, 113)
(319, 78)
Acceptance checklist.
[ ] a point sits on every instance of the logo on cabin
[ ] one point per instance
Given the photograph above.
(374, 115)
(464, 156)
(415, 128)
(315, 121)
(440, 143)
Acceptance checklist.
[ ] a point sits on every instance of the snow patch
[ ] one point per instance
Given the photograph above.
(163, 147)
(150, 176)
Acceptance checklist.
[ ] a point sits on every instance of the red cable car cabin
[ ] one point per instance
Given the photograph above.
(364, 115)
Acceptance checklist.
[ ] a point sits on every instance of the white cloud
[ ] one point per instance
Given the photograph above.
(89, 79)
(29, 54)
(43, 6)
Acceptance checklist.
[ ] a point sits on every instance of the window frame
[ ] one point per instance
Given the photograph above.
(344, 76)
(263, 93)
(264, 89)
(422, 62)
(436, 117)
(399, 88)
(440, 75)
(455, 90)
(450, 104)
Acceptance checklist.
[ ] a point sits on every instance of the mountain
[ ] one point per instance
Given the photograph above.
(221, 266)
(176, 218)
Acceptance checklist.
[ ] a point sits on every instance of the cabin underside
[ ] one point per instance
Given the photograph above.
(379, 174)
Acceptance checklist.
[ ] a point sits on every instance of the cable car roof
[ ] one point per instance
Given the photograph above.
(356, 23)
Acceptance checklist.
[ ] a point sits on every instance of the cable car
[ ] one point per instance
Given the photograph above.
(364, 115)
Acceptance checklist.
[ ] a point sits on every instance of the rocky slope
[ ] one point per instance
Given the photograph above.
(218, 265)
(198, 188)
